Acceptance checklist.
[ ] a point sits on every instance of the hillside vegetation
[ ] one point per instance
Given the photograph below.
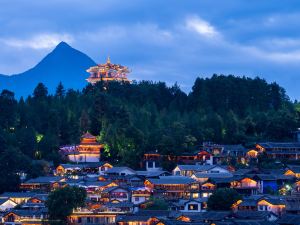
(131, 119)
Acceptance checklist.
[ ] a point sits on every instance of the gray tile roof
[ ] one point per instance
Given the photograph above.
(107, 190)
(237, 148)
(294, 168)
(44, 180)
(171, 180)
(196, 167)
(18, 194)
(280, 144)
(152, 173)
(3, 200)
(119, 170)
(136, 218)
(213, 175)
(249, 202)
(28, 212)
(264, 177)
(119, 205)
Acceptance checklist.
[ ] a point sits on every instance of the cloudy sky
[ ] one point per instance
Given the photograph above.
(168, 40)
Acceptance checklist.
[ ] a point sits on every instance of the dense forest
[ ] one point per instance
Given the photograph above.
(131, 119)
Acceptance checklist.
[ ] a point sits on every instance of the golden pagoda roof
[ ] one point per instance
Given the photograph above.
(108, 66)
(108, 72)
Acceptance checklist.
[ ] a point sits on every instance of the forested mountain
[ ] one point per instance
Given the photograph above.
(135, 118)
(64, 64)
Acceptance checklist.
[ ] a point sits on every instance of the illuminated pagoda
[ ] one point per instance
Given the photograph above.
(89, 150)
(108, 72)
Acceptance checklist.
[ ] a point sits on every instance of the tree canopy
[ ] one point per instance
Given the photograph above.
(63, 201)
(222, 199)
(133, 118)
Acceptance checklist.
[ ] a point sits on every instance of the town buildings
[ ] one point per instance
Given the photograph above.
(122, 195)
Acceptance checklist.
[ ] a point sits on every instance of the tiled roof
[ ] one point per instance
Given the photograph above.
(292, 204)
(171, 180)
(294, 168)
(18, 194)
(107, 190)
(33, 205)
(182, 202)
(196, 167)
(72, 166)
(214, 215)
(242, 171)
(249, 202)
(275, 201)
(264, 177)
(152, 173)
(119, 170)
(280, 144)
(3, 200)
(50, 179)
(28, 212)
(218, 180)
(119, 204)
(154, 212)
(135, 218)
(213, 175)
(82, 165)
(230, 148)
(95, 183)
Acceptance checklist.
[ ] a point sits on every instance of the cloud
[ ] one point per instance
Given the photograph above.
(146, 33)
(175, 44)
(201, 26)
(40, 41)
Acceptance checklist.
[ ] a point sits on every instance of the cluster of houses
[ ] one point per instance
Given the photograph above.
(121, 195)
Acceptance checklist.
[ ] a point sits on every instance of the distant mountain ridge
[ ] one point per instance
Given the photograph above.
(64, 64)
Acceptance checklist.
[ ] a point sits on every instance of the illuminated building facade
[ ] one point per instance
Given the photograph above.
(89, 150)
(108, 72)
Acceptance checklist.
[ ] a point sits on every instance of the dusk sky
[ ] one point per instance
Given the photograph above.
(167, 40)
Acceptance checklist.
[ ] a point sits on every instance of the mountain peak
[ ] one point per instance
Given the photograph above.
(63, 44)
(63, 47)
(63, 53)
(63, 64)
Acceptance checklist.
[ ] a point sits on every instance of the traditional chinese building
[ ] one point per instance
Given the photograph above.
(280, 150)
(89, 150)
(171, 187)
(108, 72)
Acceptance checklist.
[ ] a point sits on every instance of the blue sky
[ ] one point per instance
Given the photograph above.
(168, 40)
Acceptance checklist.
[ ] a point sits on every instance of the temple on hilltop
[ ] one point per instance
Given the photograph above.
(108, 72)
(89, 150)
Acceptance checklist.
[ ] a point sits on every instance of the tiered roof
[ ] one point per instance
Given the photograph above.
(108, 72)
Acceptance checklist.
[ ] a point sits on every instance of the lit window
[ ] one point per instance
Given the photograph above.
(193, 206)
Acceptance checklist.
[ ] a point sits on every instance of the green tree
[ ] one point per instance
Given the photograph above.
(62, 202)
(8, 110)
(157, 204)
(60, 91)
(40, 91)
(12, 162)
(223, 199)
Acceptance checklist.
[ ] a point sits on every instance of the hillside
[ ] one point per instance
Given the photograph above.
(133, 118)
